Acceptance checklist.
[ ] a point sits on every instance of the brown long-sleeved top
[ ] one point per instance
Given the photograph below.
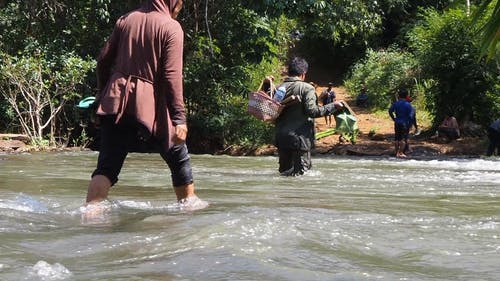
(139, 70)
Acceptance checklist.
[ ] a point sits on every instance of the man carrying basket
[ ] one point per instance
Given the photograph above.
(295, 124)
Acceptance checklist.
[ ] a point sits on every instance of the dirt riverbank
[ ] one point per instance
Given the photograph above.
(379, 144)
(382, 142)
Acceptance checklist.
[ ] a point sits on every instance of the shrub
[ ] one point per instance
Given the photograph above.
(382, 72)
(37, 89)
(447, 48)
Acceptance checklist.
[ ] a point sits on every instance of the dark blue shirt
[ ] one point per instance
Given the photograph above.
(328, 96)
(403, 110)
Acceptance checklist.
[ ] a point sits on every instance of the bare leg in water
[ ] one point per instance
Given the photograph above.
(99, 188)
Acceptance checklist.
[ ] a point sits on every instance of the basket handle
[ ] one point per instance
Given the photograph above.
(272, 87)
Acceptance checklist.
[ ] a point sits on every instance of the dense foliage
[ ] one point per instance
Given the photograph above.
(231, 45)
(38, 91)
(383, 72)
(491, 28)
(224, 60)
(51, 40)
(448, 52)
(441, 65)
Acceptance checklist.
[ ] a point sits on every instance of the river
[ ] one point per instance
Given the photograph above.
(348, 219)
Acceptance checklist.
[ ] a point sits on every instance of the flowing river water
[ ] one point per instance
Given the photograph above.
(348, 219)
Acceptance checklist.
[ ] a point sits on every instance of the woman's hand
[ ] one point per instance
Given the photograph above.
(180, 133)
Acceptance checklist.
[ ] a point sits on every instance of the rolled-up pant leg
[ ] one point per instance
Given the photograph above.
(178, 160)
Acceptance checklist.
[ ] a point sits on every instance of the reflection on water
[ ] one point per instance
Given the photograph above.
(349, 219)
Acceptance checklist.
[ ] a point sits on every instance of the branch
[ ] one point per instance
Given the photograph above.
(208, 28)
(53, 114)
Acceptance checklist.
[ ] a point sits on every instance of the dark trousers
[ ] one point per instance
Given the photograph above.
(494, 137)
(294, 162)
(449, 133)
(116, 140)
(400, 132)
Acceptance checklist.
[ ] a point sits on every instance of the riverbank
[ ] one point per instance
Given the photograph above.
(379, 143)
(17, 143)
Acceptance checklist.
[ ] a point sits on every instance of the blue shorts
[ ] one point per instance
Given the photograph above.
(116, 140)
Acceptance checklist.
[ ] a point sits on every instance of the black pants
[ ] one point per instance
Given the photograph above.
(400, 132)
(116, 140)
(294, 162)
(449, 133)
(494, 137)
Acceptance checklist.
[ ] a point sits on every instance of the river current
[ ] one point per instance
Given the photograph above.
(347, 219)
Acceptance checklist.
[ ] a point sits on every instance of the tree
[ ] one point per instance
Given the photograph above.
(37, 90)
(383, 72)
(491, 28)
(224, 60)
(448, 54)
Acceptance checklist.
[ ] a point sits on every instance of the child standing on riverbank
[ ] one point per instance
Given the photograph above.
(402, 120)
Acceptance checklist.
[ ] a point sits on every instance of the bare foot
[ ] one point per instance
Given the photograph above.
(401, 155)
(95, 213)
(192, 203)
